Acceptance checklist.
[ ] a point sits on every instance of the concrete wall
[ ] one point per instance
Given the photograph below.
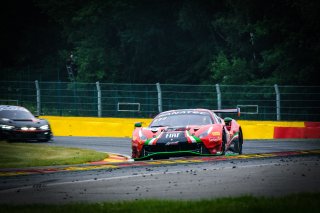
(123, 127)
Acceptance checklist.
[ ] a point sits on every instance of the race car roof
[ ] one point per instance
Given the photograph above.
(14, 108)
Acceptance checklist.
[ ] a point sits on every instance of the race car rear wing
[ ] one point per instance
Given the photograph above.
(236, 110)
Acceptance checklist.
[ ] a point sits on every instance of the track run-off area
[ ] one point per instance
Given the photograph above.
(267, 167)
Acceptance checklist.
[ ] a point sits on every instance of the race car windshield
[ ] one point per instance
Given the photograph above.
(16, 115)
(181, 120)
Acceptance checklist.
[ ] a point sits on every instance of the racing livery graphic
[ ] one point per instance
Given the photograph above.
(18, 123)
(187, 132)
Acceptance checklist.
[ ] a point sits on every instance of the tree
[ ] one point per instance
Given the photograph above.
(182, 41)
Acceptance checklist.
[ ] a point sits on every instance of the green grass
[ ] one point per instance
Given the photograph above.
(306, 202)
(18, 155)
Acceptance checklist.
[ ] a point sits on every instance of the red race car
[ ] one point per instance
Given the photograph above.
(187, 132)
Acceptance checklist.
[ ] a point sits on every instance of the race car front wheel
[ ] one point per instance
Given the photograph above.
(224, 142)
(238, 143)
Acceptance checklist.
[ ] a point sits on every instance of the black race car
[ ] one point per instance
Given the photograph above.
(18, 123)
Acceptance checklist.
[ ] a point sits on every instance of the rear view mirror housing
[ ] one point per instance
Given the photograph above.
(138, 124)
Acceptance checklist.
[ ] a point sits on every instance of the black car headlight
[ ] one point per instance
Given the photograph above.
(28, 128)
(44, 127)
(6, 127)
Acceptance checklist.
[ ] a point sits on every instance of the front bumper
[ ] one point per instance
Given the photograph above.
(159, 155)
(163, 151)
(26, 135)
(181, 146)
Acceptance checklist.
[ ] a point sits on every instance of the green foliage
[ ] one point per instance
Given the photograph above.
(184, 41)
(229, 71)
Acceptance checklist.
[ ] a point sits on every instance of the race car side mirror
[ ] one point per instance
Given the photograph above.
(227, 119)
(139, 124)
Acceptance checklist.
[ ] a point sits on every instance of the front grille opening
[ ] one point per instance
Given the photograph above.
(196, 147)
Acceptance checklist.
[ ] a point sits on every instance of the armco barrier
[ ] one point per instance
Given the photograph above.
(90, 126)
(264, 129)
(309, 130)
(123, 127)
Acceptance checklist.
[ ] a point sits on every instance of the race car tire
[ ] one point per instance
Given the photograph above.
(237, 147)
(238, 143)
(224, 142)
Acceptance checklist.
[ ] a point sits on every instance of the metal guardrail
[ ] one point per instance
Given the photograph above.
(274, 102)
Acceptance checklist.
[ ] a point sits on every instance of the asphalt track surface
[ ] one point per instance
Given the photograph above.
(264, 176)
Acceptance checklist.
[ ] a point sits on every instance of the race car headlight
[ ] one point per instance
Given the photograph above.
(142, 136)
(202, 135)
(206, 133)
(44, 127)
(7, 127)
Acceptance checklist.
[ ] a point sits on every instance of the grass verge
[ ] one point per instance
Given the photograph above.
(18, 155)
(305, 202)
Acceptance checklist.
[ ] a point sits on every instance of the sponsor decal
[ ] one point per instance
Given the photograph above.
(216, 133)
(159, 119)
(172, 143)
(214, 139)
(172, 135)
(182, 112)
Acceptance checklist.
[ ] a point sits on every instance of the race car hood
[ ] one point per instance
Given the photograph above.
(173, 135)
(176, 128)
(23, 122)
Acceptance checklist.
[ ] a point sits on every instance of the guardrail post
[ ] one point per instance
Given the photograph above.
(59, 98)
(38, 98)
(276, 88)
(159, 97)
(218, 96)
(99, 99)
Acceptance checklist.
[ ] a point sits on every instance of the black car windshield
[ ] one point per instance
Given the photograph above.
(16, 114)
(183, 119)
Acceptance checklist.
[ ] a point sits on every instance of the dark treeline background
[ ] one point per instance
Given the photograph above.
(166, 41)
